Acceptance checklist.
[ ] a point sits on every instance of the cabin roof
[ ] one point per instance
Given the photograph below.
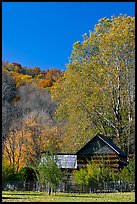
(64, 161)
(107, 141)
(67, 161)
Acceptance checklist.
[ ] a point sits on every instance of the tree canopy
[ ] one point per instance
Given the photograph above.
(97, 92)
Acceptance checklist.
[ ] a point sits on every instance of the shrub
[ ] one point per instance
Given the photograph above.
(94, 174)
(127, 174)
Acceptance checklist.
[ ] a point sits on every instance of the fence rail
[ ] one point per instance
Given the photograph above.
(68, 187)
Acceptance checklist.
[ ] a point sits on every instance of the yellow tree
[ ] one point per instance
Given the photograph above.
(119, 60)
(97, 90)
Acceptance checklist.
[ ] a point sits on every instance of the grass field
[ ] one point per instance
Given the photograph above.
(27, 196)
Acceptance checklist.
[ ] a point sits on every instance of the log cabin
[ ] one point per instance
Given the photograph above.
(99, 150)
(102, 151)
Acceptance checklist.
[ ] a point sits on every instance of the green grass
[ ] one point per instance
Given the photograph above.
(27, 196)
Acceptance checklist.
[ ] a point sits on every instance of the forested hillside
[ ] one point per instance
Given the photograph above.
(62, 110)
(28, 126)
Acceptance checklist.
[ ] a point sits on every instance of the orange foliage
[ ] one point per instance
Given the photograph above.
(24, 147)
(45, 83)
(14, 150)
(21, 79)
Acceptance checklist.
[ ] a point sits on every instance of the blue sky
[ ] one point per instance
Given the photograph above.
(43, 33)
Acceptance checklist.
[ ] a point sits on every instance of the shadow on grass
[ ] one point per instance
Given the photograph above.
(30, 194)
(77, 195)
(12, 198)
(81, 195)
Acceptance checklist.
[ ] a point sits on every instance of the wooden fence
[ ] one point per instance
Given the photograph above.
(69, 187)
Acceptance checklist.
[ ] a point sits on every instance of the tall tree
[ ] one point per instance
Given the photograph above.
(97, 90)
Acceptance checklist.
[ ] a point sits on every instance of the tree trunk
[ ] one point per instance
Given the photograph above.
(49, 190)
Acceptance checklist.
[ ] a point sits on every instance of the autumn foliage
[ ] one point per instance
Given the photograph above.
(63, 110)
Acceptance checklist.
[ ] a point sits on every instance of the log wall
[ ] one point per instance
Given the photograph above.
(105, 160)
